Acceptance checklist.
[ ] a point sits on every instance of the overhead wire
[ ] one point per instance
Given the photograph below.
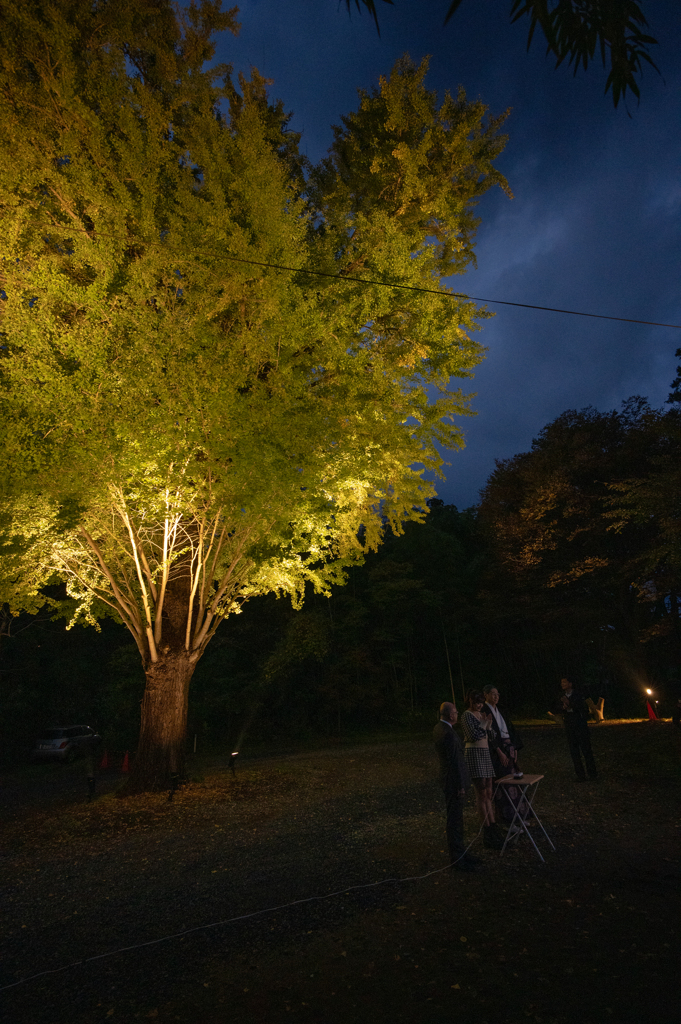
(447, 295)
(340, 278)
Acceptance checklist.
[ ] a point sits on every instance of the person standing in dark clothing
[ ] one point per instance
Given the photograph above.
(454, 780)
(504, 742)
(676, 714)
(575, 714)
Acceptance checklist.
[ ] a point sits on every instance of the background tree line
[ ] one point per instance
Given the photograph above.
(571, 563)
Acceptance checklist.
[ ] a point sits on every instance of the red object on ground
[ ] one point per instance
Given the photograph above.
(651, 712)
(126, 763)
(105, 761)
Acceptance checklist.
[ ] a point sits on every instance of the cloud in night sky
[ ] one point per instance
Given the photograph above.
(595, 224)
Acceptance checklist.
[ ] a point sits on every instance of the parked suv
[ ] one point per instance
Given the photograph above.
(65, 744)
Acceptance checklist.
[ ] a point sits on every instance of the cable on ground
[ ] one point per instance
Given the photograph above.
(241, 917)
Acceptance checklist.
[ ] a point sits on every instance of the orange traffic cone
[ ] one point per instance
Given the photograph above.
(651, 712)
(126, 763)
(105, 761)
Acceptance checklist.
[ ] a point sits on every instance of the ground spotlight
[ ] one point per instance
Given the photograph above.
(232, 761)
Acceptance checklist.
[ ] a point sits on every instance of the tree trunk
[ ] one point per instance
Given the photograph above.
(161, 750)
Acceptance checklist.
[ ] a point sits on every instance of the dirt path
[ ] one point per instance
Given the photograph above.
(591, 936)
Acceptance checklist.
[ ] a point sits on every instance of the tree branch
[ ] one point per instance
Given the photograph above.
(129, 611)
(153, 652)
(195, 582)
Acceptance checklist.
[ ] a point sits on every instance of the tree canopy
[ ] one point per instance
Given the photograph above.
(185, 424)
(585, 530)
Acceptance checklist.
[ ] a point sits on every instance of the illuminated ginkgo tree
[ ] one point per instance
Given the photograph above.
(186, 424)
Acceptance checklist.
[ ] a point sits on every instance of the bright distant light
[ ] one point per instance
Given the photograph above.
(649, 691)
(234, 753)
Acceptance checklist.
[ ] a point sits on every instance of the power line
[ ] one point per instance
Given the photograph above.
(427, 291)
(446, 295)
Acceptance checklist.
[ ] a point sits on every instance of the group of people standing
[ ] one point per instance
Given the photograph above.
(490, 752)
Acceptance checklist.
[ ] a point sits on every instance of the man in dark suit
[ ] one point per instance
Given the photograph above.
(454, 780)
(575, 714)
(505, 743)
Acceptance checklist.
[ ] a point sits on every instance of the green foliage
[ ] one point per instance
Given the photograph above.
(581, 540)
(675, 393)
(371, 8)
(184, 429)
(577, 30)
(650, 501)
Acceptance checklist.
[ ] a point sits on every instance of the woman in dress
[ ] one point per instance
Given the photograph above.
(476, 729)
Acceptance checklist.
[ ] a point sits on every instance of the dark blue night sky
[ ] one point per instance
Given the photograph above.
(595, 224)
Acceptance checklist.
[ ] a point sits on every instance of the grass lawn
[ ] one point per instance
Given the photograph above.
(590, 936)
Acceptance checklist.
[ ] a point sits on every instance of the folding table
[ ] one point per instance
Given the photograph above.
(528, 786)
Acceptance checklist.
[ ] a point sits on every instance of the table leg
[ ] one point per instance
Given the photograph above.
(529, 792)
(516, 815)
(534, 815)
